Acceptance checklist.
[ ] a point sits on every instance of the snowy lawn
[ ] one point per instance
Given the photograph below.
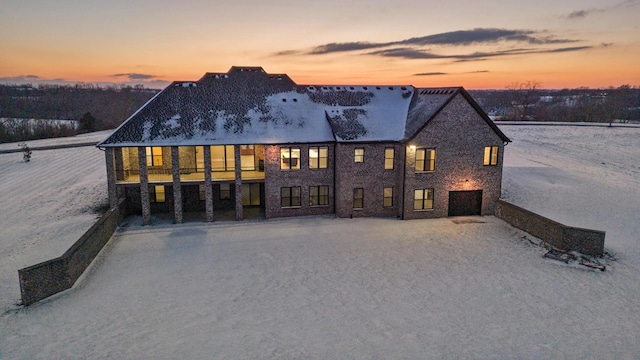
(319, 288)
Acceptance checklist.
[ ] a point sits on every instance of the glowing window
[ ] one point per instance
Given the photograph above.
(490, 155)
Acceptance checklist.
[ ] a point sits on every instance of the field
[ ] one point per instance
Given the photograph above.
(319, 287)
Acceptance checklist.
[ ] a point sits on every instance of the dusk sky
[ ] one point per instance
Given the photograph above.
(475, 44)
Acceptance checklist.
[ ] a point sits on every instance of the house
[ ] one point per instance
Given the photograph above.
(249, 139)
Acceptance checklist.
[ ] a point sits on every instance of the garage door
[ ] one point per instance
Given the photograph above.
(465, 202)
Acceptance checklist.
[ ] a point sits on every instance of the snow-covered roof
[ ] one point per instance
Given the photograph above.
(246, 105)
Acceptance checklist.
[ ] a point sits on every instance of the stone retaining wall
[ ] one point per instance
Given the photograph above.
(585, 241)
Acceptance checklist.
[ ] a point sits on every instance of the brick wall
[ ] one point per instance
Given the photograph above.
(458, 134)
(275, 179)
(42, 280)
(586, 241)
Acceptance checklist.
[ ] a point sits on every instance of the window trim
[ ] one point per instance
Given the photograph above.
(290, 151)
(319, 196)
(384, 197)
(431, 160)
(358, 158)
(319, 158)
(392, 158)
(425, 197)
(290, 197)
(491, 155)
(361, 198)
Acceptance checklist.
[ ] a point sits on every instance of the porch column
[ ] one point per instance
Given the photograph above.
(236, 153)
(111, 178)
(144, 186)
(177, 189)
(208, 193)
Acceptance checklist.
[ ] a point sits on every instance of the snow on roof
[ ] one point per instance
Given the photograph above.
(247, 105)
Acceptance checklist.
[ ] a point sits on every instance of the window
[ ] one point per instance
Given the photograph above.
(425, 159)
(154, 156)
(250, 194)
(318, 157)
(247, 157)
(387, 197)
(225, 191)
(201, 194)
(289, 158)
(319, 195)
(359, 155)
(358, 198)
(423, 199)
(491, 155)
(156, 193)
(388, 158)
(290, 196)
(222, 158)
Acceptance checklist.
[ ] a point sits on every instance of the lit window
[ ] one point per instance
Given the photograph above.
(491, 155)
(319, 195)
(359, 155)
(358, 198)
(423, 199)
(222, 158)
(425, 159)
(318, 157)
(388, 158)
(154, 156)
(225, 191)
(387, 197)
(289, 158)
(290, 196)
(247, 157)
(156, 193)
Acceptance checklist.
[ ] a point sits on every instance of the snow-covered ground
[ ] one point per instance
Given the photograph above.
(318, 287)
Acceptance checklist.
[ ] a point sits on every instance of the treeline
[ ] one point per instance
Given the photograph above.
(526, 101)
(16, 130)
(108, 106)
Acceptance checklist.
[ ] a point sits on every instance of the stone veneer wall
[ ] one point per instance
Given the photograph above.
(458, 134)
(275, 179)
(586, 241)
(42, 280)
(369, 175)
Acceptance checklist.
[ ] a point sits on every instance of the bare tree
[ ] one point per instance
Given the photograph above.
(523, 96)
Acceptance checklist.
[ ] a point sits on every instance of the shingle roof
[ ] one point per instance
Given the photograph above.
(247, 105)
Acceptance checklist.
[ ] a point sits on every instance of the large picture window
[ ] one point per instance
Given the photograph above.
(289, 158)
(423, 199)
(154, 156)
(222, 158)
(290, 196)
(491, 155)
(425, 160)
(318, 157)
(319, 195)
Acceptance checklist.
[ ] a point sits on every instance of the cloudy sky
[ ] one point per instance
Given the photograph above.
(475, 44)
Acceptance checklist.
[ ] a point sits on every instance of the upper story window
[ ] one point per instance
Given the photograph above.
(425, 159)
(318, 157)
(491, 155)
(388, 158)
(358, 155)
(289, 158)
(222, 158)
(154, 156)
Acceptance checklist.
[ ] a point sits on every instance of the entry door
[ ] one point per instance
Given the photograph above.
(463, 203)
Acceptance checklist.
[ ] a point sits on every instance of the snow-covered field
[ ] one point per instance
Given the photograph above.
(318, 287)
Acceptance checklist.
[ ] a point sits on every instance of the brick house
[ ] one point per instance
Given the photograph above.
(245, 140)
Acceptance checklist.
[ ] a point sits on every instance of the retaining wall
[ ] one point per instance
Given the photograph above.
(42, 280)
(585, 241)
